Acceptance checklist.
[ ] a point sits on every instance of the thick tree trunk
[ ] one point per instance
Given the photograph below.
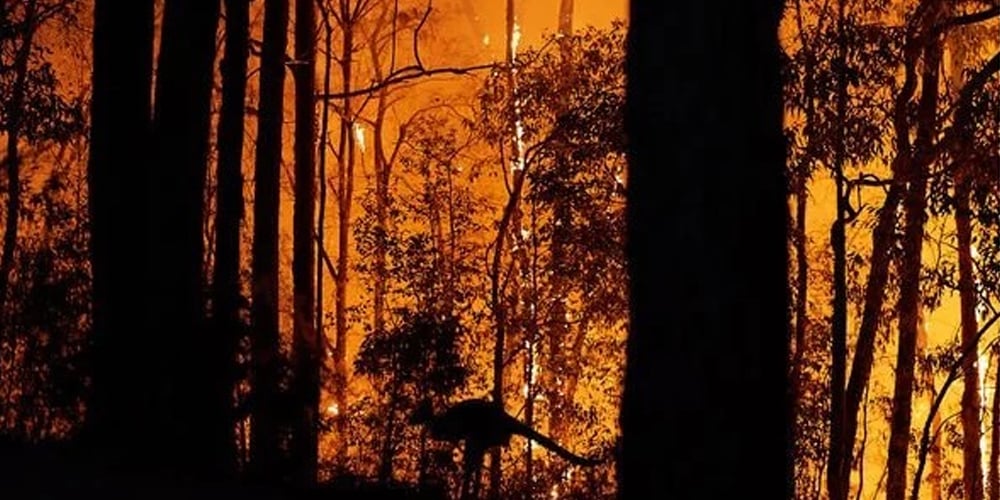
(723, 143)
(118, 174)
(306, 348)
(264, 429)
(229, 178)
(909, 302)
(195, 403)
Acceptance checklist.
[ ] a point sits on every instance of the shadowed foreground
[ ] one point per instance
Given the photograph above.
(62, 470)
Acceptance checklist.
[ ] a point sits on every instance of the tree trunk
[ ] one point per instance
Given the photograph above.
(345, 198)
(878, 275)
(195, 403)
(994, 471)
(229, 177)
(324, 142)
(972, 471)
(840, 449)
(12, 162)
(934, 477)
(116, 425)
(264, 429)
(722, 143)
(306, 348)
(509, 210)
(802, 175)
(909, 302)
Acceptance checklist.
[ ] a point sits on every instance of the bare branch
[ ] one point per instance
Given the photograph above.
(408, 73)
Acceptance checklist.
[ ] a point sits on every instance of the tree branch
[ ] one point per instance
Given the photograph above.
(408, 73)
(965, 20)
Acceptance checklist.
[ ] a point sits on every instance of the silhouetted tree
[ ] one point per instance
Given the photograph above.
(226, 294)
(307, 347)
(909, 302)
(709, 316)
(265, 353)
(194, 402)
(118, 176)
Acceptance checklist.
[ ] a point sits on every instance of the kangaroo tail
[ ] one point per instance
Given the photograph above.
(523, 430)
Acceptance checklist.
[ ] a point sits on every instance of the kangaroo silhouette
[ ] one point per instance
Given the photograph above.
(481, 425)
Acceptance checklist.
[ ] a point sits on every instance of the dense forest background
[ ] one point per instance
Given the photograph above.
(399, 201)
(891, 124)
(374, 203)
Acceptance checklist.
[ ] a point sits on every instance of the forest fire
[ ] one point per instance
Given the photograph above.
(483, 249)
(352, 188)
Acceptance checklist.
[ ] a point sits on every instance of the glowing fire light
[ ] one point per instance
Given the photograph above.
(486, 39)
(333, 409)
(359, 136)
(515, 39)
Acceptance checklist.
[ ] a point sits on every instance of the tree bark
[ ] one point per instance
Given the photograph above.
(117, 177)
(229, 178)
(722, 143)
(264, 429)
(194, 406)
(306, 348)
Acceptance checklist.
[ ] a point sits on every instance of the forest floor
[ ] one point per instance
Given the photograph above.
(55, 473)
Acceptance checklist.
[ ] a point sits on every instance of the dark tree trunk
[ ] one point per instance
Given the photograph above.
(839, 452)
(803, 172)
(509, 216)
(12, 160)
(878, 276)
(306, 347)
(972, 471)
(194, 405)
(709, 305)
(264, 429)
(909, 304)
(118, 175)
(229, 199)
